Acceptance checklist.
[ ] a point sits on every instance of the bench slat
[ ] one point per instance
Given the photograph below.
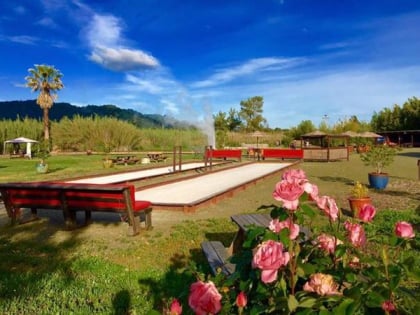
(217, 257)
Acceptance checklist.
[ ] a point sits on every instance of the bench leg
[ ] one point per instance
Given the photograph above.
(15, 215)
(88, 217)
(134, 227)
(34, 213)
(70, 219)
(148, 219)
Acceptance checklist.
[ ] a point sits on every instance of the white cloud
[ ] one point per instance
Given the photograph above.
(143, 85)
(104, 30)
(47, 22)
(122, 59)
(23, 39)
(108, 50)
(248, 68)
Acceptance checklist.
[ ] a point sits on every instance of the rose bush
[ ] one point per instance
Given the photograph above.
(292, 267)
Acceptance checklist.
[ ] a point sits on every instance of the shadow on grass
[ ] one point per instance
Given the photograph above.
(41, 274)
(28, 258)
(180, 275)
(410, 154)
(333, 179)
(399, 193)
(122, 302)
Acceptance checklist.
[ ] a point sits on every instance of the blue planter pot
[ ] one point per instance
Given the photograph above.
(378, 181)
(42, 168)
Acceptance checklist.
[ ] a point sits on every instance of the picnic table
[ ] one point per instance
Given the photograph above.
(126, 159)
(156, 156)
(244, 222)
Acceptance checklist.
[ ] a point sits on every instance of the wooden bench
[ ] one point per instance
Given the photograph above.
(282, 153)
(224, 154)
(217, 257)
(72, 197)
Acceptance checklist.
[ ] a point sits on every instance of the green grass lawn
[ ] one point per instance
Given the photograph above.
(99, 269)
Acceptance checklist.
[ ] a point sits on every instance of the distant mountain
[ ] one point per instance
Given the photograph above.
(29, 108)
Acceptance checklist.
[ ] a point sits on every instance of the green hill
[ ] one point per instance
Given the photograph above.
(29, 108)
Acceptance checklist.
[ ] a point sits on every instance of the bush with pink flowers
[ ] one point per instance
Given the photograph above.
(346, 267)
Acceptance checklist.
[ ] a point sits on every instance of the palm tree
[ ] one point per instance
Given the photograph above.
(47, 80)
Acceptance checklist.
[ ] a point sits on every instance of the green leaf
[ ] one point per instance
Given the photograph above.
(374, 299)
(292, 303)
(283, 285)
(340, 251)
(344, 308)
(300, 272)
(308, 210)
(307, 302)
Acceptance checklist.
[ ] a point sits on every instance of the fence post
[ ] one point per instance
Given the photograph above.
(418, 167)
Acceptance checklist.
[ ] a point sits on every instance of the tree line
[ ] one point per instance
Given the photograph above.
(250, 118)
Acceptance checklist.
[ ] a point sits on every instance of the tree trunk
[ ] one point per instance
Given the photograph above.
(46, 125)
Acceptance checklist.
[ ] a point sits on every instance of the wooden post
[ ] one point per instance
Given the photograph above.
(418, 167)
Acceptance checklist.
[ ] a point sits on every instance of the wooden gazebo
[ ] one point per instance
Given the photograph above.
(320, 146)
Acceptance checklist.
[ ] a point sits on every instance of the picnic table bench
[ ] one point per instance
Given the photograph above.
(218, 255)
(72, 197)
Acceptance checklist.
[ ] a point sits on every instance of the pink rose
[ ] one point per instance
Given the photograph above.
(321, 284)
(404, 229)
(276, 226)
(241, 300)
(204, 298)
(367, 213)
(312, 190)
(269, 257)
(388, 306)
(294, 175)
(328, 243)
(176, 308)
(356, 233)
(288, 193)
(329, 206)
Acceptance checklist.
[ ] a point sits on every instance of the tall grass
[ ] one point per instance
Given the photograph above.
(101, 134)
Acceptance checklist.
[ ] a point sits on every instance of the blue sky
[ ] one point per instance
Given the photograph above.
(192, 58)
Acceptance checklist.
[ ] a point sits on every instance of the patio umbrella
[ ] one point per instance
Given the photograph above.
(257, 134)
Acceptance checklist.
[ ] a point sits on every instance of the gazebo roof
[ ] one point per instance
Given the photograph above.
(21, 140)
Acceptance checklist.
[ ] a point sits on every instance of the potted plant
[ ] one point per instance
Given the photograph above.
(43, 154)
(358, 198)
(378, 157)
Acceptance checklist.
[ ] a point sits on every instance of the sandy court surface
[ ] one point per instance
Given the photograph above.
(129, 176)
(204, 187)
